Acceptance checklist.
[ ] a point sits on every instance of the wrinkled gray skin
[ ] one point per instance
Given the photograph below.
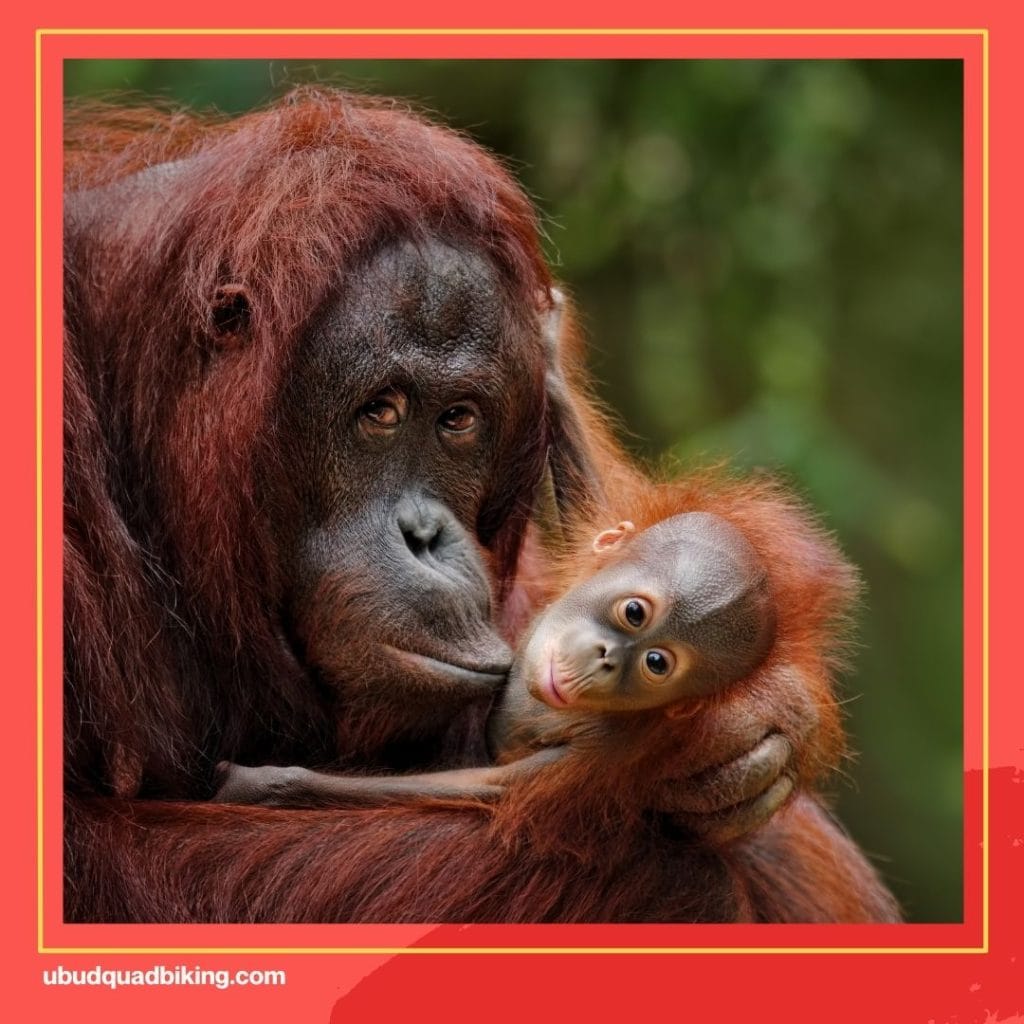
(379, 536)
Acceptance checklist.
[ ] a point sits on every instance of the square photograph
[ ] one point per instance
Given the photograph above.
(513, 491)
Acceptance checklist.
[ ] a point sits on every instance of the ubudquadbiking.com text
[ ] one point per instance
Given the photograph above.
(125, 977)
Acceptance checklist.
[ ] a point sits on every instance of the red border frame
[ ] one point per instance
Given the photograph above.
(768, 979)
(55, 49)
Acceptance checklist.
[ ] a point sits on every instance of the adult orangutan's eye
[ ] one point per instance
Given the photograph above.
(633, 612)
(384, 412)
(458, 419)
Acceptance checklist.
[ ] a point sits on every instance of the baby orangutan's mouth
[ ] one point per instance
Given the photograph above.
(551, 693)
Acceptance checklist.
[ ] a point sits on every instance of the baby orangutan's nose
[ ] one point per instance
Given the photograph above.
(595, 653)
(607, 656)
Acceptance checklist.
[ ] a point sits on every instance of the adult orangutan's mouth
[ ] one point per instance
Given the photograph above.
(491, 674)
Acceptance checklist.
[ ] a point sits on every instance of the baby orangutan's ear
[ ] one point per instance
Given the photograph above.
(684, 709)
(608, 539)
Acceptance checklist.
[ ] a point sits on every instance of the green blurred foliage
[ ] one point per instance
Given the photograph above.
(768, 258)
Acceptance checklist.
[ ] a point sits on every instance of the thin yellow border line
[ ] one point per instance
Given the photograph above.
(513, 31)
(39, 486)
(986, 852)
(433, 950)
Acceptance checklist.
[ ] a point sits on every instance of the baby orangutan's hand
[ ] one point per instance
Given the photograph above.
(755, 747)
(730, 800)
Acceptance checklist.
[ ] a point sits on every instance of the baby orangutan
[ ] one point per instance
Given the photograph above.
(673, 614)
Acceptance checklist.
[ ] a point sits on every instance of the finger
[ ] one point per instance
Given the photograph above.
(742, 779)
(738, 821)
(552, 327)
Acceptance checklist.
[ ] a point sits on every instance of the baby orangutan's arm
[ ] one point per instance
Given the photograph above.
(292, 786)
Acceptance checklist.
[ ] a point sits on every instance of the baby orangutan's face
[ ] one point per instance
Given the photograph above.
(678, 611)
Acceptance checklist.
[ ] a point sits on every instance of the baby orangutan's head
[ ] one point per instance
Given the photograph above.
(679, 610)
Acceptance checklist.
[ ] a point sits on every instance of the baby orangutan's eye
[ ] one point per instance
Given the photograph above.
(657, 664)
(633, 612)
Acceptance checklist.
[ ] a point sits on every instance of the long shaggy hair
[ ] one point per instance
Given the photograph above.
(191, 241)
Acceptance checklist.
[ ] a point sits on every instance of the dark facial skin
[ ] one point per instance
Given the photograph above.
(683, 612)
(404, 386)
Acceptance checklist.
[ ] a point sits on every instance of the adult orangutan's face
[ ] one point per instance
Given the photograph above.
(405, 412)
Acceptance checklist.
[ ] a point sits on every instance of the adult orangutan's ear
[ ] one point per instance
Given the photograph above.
(608, 539)
(230, 317)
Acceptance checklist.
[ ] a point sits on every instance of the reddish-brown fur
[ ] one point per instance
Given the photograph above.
(171, 659)
(595, 804)
(158, 457)
(443, 864)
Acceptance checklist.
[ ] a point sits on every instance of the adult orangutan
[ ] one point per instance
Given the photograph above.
(655, 633)
(305, 422)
